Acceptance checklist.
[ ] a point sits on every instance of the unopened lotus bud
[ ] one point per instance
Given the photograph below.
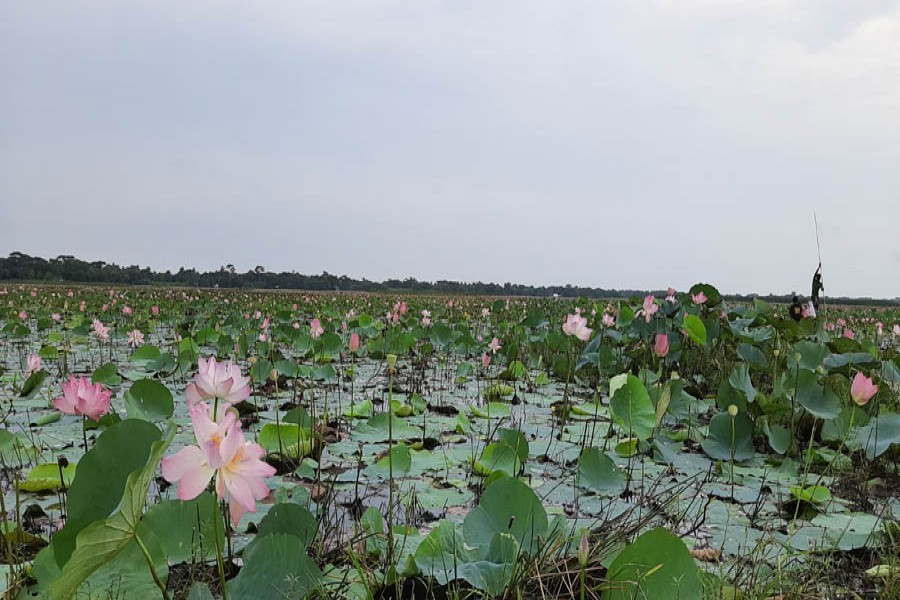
(584, 549)
(733, 410)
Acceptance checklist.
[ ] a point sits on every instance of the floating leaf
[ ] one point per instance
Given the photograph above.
(46, 478)
(289, 439)
(598, 473)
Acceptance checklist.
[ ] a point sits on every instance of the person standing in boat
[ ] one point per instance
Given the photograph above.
(817, 287)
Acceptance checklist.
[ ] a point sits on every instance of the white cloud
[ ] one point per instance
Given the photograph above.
(608, 143)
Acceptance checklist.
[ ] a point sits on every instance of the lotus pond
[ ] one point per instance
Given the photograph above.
(182, 443)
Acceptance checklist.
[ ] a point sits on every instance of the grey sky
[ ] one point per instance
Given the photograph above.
(616, 144)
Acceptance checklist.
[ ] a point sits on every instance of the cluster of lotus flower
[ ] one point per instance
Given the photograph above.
(221, 450)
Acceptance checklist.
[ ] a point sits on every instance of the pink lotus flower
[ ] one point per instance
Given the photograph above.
(848, 333)
(135, 338)
(577, 325)
(661, 348)
(82, 306)
(34, 365)
(315, 329)
(263, 337)
(699, 298)
(218, 380)
(403, 307)
(354, 342)
(670, 292)
(494, 345)
(608, 320)
(23, 315)
(224, 453)
(80, 397)
(879, 328)
(207, 431)
(648, 309)
(862, 389)
(154, 310)
(126, 310)
(485, 312)
(896, 329)
(56, 318)
(485, 360)
(100, 330)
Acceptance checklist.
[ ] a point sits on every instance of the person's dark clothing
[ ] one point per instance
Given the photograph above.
(817, 287)
(796, 309)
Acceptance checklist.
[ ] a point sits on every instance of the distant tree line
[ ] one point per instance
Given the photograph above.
(68, 269)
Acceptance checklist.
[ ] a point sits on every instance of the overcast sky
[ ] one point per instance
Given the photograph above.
(633, 143)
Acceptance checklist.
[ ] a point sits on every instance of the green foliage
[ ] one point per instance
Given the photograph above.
(46, 478)
(656, 565)
(631, 406)
(507, 455)
(288, 439)
(101, 477)
(276, 566)
(185, 529)
(730, 437)
(598, 473)
(149, 400)
(106, 375)
(508, 505)
(695, 329)
(101, 541)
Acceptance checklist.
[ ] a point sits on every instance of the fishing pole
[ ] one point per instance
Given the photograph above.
(818, 247)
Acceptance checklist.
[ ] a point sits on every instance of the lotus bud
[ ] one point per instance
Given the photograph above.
(584, 549)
